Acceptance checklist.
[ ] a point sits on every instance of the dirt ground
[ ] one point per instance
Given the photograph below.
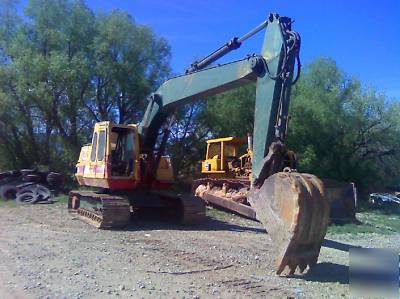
(46, 253)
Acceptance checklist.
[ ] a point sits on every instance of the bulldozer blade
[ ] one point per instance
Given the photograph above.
(294, 211)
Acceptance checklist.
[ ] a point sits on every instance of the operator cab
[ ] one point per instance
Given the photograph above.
(111, 160)
(122, 151)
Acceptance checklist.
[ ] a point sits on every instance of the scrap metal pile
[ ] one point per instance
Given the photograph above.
(29, 186)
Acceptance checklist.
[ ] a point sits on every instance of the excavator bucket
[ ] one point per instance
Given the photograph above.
(293, 209)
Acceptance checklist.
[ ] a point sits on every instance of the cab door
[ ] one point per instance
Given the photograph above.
(96, 166)
(89, 170)
(100, 164)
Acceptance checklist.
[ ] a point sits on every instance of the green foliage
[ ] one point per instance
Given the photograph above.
(338, 129)
(64, 67)
(231, 113)
(342, 131)
(186, 144)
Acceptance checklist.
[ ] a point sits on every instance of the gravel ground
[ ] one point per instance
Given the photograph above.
(47, 253)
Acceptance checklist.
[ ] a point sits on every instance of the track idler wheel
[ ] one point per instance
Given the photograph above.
(294, 211)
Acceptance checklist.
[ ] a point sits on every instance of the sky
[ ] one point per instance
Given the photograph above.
(362, 36)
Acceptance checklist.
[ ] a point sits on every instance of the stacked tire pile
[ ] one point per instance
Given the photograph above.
(29, 186)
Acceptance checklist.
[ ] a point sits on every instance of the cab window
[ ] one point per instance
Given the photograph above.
(214, 149)
(229, 150)
(94, 147)
(101, 149)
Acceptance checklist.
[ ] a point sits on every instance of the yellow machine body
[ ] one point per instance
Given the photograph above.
(225, 157)
(228, 157)
(113, 159)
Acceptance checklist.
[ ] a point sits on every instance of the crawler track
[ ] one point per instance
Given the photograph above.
(107, 211)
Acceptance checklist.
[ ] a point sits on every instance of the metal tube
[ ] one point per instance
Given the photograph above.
(253, 31)
(229, 46)
(233, 44)
(249, 142)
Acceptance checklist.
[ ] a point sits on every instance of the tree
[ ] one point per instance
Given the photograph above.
(342, 131)
(338, 129)
(131, 61)
(64, 67)
(186, 144)
(232, 112)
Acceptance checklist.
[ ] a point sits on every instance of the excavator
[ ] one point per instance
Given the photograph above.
(128, 165)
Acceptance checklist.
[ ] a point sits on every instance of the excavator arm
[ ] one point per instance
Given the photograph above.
(272, 71)
(291, 205)
(185, 89)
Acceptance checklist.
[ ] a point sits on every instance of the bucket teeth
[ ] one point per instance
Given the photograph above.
(282, 266)
(292, 267)
(295, 212)
(295, 262)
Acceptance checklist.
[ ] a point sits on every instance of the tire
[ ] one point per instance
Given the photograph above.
(9, 180)
(54, 179)
(27, 171)
(15, 173)
(8, 192)
(34, 178)
(32, 194)
(5, 174)
(9, 176)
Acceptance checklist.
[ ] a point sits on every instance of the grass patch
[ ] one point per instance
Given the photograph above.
(7, 203)
(61, 199)
(219, 214)
(381, 221)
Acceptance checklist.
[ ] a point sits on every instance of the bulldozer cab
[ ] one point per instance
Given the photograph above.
(223, 155)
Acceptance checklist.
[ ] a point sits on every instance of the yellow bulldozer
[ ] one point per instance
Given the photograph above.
(230, 157)
(128, 164)
(228, 173)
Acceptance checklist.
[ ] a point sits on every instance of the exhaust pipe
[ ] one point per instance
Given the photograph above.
(249, 142)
